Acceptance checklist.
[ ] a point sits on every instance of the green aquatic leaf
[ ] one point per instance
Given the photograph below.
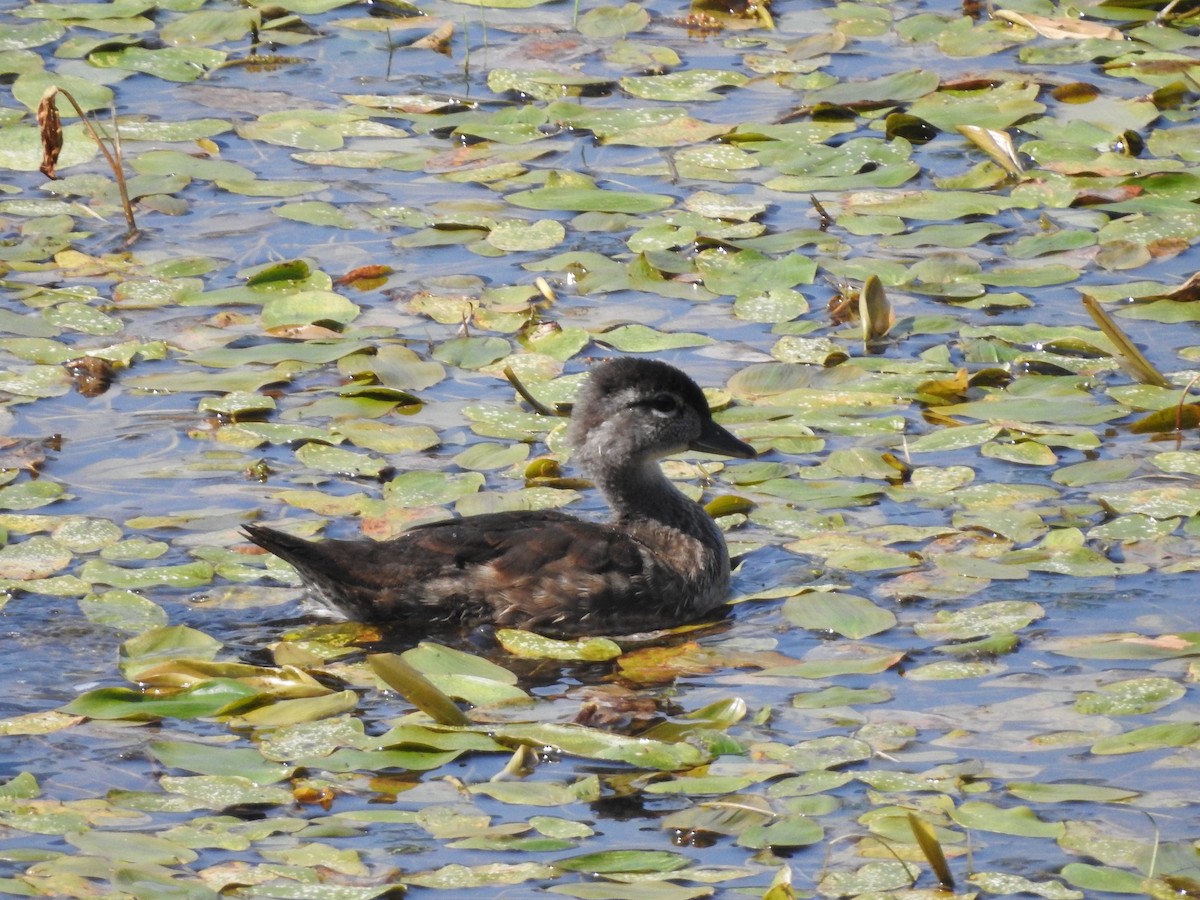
(123, 610)
(182, 64)
(36, 557)
(414, 489)
(837, 696)
(1159, 503)
(540, 793)
(384, 438)
(613, 21)
(1151, 737)
(485, 457)
(176, 162)
(306, 307)
(31, 495)
(91, 95)
(953, 669)
(336, 460)
(81, 317)
(416, 688)
(133, 848)
(788, 831)
(515, 234)
(204, 759)
(33, 34)
(750, 272)
(844, 614)
(1018, 820)
(282, 713)
(435, 659)
(1067, 792)
(608, 862)
(825, 753)
(545, 85)
(594, 744)
(208, 27)
(1104, 878)
(215, 697)
(1005, 883)
(317, 212)
(535, 646)
(185, 575)
(237, 403)
(589, 199)
(642, 339)
(472, 352)
(682, 87)
(457, 877)
(981, 620)
(1129, 645)
(224, 791)
(1134, 696)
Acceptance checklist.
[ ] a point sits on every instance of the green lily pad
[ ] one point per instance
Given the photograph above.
(1152, 737)
(682, 87)
(181, 64)
(308, 307)
(844, 614)
(535, 646)
(217, 696)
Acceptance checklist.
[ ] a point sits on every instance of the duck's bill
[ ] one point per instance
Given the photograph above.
(715, 439)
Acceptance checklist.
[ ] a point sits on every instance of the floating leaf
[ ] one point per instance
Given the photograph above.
(624, 861)
(1152, 737)
(1017, 820)
(306, 307)
(535, 646)
(416, 688)
(217, 696)
(844, 614)
(642, 339)
(182, 576)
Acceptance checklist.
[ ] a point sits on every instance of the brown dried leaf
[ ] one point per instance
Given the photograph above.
(1060, 28)
(365, 276)
(1097, 196)
(996, 144)
(51, 128)
(874, 310)
(91, 375)
(304, 332)
(1133, 358)
(1188, 291)
(438, 40)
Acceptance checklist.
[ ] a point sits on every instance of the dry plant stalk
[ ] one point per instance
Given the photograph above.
(52, 142)
(1137, 364)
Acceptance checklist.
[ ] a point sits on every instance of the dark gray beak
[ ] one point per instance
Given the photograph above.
(715, 439)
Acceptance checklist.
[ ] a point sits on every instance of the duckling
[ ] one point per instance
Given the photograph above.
(661, 562)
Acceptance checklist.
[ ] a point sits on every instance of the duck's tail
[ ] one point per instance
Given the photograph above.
(319, 569)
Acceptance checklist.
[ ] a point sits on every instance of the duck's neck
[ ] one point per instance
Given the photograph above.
(642, 493)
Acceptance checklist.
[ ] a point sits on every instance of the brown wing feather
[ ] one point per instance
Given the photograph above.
(514, 569)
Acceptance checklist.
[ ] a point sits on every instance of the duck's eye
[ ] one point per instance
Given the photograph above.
(664, 404)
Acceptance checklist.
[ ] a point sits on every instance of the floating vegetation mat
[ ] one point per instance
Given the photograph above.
(935, 262)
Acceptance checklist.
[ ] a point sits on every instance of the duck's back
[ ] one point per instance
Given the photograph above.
(542, 570)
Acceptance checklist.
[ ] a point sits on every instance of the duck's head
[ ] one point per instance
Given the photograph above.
(632, 411)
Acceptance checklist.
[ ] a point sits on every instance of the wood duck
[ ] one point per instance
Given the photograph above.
(661, 562)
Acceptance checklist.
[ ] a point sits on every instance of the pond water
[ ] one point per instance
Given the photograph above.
(965, 591)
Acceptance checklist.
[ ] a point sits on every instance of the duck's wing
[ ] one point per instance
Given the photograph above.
(519, 569)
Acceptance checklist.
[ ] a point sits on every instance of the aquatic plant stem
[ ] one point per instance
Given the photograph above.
(113, 157)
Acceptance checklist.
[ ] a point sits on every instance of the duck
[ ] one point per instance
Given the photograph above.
(660, 561)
